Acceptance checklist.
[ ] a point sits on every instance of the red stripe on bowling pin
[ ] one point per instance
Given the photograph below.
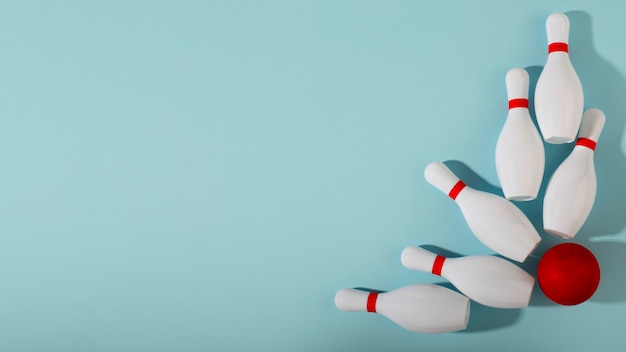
(586, 142)
(558, 47)
(518, 103)
(438, 265)
(458, 187)
(371, 302)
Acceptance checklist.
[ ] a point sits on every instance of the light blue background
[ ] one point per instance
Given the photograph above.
(204, 175)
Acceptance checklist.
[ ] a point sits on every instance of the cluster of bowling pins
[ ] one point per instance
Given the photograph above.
(494, 220)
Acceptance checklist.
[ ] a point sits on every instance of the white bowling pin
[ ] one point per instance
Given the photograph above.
(488, 280)
(495, 221)
(571, 190)
(424, 308)
(559, 94)
(520, 157)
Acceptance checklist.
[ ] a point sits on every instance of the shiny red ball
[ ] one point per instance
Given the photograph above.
(568, 274)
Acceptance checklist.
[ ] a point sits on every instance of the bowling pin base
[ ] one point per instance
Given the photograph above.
(558, 140)
(521, 198)
(559, 234)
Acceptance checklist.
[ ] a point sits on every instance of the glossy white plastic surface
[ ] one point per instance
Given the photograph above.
(495, 221)
(559, 94)
(425, 308)
(520, 157)
(571, 191)
(488, 280)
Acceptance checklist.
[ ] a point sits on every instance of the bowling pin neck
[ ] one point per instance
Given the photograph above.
(586, 143)
(591, 126)
(518, 103)
(560, 48)
(557, 28)
(353, 300)
(438, 175)
(517, 82)
(417, 258)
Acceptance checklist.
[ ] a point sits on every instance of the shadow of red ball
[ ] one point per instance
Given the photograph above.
(568, 274)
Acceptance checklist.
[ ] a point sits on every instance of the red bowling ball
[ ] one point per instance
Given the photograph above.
(568, 274)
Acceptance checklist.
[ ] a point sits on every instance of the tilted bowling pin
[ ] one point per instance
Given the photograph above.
(488, 280)
(495, 221)
(559, 94)
(520, 157)
(425, 308)
(571, 191)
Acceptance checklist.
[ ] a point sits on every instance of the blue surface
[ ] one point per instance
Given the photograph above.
(203, 176)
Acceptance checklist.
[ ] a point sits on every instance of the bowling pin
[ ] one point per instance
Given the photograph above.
(488, 280)
(559, 93)
(520, 157)
(495, 221)
(571, 190)
(425, 308)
